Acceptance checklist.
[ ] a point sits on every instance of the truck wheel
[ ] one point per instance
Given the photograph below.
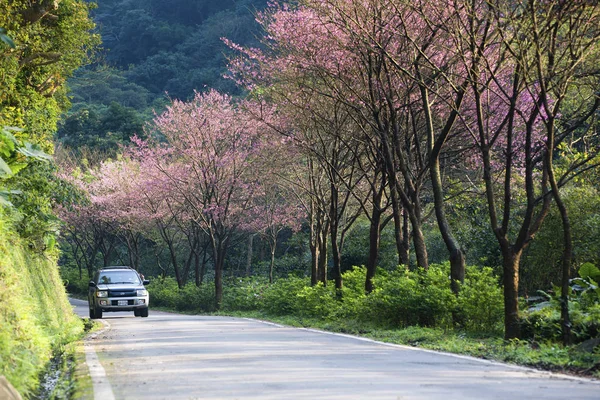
(136, 312)
(97, 313)
(144, 312)
(92, 314)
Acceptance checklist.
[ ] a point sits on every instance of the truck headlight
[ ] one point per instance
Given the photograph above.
(142, 292)
(102, 293)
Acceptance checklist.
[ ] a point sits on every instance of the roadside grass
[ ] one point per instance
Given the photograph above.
(36, 319)
(544, 356)
(67, 375)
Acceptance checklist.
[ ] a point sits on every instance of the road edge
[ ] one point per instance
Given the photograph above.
(549, 374)
(100, 383)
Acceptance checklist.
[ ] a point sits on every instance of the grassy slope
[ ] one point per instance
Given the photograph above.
(35, 316)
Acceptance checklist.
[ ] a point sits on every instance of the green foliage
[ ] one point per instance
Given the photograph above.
(164, 292)
(480, 301)
(74, 282)
(244, 294)
(35, 315)
(541, 262)
(317, 301)
(404, 298)
(353, 294)
(14, 156)
(36, 185)
(356, 246)
(589, 270)
(102, 129)
(51, 40)
(281, 297)
(543, 321)
(5, 38)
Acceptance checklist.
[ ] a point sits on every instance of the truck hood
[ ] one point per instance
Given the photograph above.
(119, 286)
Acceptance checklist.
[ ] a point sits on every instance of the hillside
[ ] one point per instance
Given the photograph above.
(152, 51)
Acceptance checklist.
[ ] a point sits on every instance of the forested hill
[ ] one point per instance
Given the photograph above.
(152, 49)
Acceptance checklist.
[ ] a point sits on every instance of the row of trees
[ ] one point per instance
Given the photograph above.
(470, 89)
(381, 109)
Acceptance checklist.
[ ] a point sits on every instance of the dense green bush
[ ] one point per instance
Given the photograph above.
(480, 301)
(403, 298)
(244, 294)
(317, 301)
(280, 297)
(543, 321)
(164, 292)
(74, 283)
(353, 294)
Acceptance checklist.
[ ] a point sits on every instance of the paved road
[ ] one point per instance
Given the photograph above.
(173, 356)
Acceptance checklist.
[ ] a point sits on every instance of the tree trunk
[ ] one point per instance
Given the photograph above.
(249, 255)
(405, 256)
(419, 243)
(511, 261)
(399, 234)
(334, 234)
(374, 239)
(272, 264)
(456, 255)
(322, 266)
(567, 255)
(219, 252)
(173, 255)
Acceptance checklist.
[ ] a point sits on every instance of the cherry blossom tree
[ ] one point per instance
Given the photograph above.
(206, 149)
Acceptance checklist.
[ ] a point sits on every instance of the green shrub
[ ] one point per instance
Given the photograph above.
(353, 294)
(164, 292)
(480, 301)
(317, 301)
(280, 297)
(405, 298)
(244, 294)
(73, 283)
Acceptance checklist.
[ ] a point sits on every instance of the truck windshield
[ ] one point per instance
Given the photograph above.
(118, 277)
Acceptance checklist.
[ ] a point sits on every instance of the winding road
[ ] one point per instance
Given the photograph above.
(174, 356)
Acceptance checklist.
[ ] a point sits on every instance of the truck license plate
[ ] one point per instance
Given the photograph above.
(122, 302)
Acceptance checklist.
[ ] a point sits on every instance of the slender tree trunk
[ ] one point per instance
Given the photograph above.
(399, 234)
(567, 242)
(457, 257)
(200, 279)
(374, 239)
(219, 252)
(334, 220)
(567, 256)
(322, 267)
(511, 261)
(419, 242)
(273, 245)
(173, 255)
(249, 255)
(314, 247)
(405, 256)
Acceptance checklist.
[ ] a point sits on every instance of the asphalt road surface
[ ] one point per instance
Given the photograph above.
(174, 356)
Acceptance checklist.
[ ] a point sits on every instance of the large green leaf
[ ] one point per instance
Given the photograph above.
(5, 38)
(589, 270)
(34, 151)
(5, 170)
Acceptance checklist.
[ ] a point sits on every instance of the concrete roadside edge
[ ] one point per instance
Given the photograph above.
(549, 374)
(100, 382)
